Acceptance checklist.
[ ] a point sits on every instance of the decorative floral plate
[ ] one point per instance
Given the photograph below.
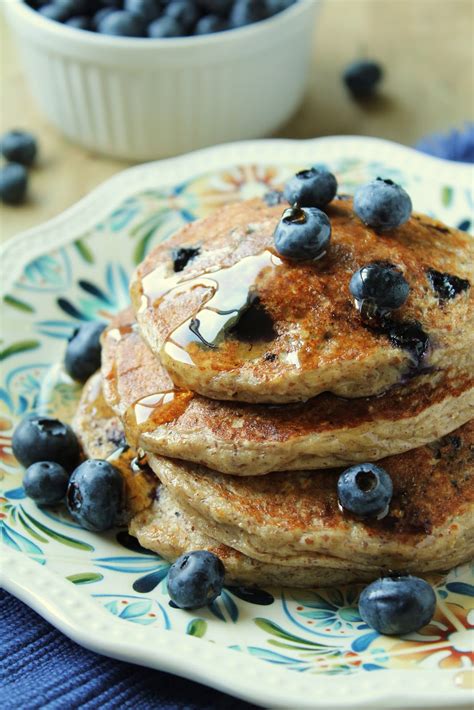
(278, 648)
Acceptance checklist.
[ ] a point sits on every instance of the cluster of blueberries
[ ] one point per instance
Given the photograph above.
(19, 149)
(304, 231)
(158, 18)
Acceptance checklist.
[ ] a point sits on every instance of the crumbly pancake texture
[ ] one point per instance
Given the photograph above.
(253, 439)
(295, 519)
(238, 322)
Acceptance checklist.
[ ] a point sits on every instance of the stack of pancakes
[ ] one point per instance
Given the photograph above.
(239, 385)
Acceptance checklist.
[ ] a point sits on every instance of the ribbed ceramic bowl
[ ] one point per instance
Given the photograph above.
(146, 98)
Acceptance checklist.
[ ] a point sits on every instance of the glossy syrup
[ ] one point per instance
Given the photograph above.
(154, 410)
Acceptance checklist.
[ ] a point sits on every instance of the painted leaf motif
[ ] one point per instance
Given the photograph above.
(150, 581)
(230, 605)
(59, 537)
(197, 627)
(461, 588)
(135, 609)
(19, 347)
(19, 542)
(271, 628)
(447, 195)
(84, 251)
(252, 595)
(18, 304)
(85, 577)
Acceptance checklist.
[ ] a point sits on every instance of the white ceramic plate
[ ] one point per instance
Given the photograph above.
(278, 648)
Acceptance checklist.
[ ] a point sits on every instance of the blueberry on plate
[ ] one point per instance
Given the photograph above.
(185, 12)
(122, 24)
(38, 438)
(19, 147)
(45, 482)
(165, 27)
(94, 495)
(209, 24)
(303, 233)
(13, 183)
(246, 12)
(362, 78)
(195, 579)
(366, 490)
(315, 187)
(382, 204)
(381, 283)
(148, 10)
(397, 605)
(83, 351)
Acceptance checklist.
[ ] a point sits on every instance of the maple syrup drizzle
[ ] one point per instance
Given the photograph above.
(150, 412)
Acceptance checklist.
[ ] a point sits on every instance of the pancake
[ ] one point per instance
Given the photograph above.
(253, 439)
(237, 322)
(295, 519)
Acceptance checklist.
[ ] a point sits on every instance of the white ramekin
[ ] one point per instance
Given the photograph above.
(141, 99)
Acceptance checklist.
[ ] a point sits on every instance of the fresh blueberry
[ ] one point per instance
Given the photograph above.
(365, 489)
(382, 204)
(148, 10)
(76, 7)
(80, 23)
(362, 77)
(83, 351)
(303, 233)
(276, 6)
(45, 482)
(195, 579)
(13, 183)
(19, 147)
(246, 12)
(209, 24)
(446, 286)
(52, 11)
(122, 24)
(218, 7)
(185, 12)
(397, 605)
(381, 283)
(101, 15)
(165, 27)
(315, 187)
(38, 438)
(94, 494)
(117, 4)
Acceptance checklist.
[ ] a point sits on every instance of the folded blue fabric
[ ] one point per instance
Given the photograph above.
(42, 669)
(455, 145)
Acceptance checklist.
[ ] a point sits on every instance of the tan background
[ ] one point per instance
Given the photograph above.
(426, 47)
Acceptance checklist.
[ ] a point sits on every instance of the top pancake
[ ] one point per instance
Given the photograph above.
(303, 334)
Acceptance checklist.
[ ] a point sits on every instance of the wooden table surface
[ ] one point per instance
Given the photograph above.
(426, 49)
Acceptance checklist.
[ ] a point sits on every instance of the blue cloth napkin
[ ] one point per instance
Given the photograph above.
(41, 668)
(455, 145)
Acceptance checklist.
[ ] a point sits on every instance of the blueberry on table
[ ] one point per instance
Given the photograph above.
(148, 10)
(13, 183)
(195, 579)
(45, 482)
(19, 147)
(382, 204)
(94, 495)
(38, 438)
(165, 27)
(365, 489)
(185, 12)
(397, 605)
(315, 187)
(83, 351)
(210, 24)
(381, 283)
(362, 78)
(302, 234)
(246, 12)
(122, 24)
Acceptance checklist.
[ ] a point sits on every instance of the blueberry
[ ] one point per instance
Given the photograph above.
(382, 204)
(303, 233)
(182, 256)
(397, 605)
(209, 24)
(273, 198)
(94, 494)
(245, 12)
(122, 24)
(276, 6)
(38, 438)
(185, 12)
(165, 27)
(148, 10)
(101, 15)
(19, 147)
(83, 351)
(80, 23)
(45, 482)
(365, 489)
(362, 77)
(117, 4)
(13, 183)
(446, 286)
(55, 12)
(195, 579)
(381, 283)
(218, 7)
(315, 187)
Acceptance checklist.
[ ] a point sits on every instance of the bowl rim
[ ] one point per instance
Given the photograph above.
(38, 22)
